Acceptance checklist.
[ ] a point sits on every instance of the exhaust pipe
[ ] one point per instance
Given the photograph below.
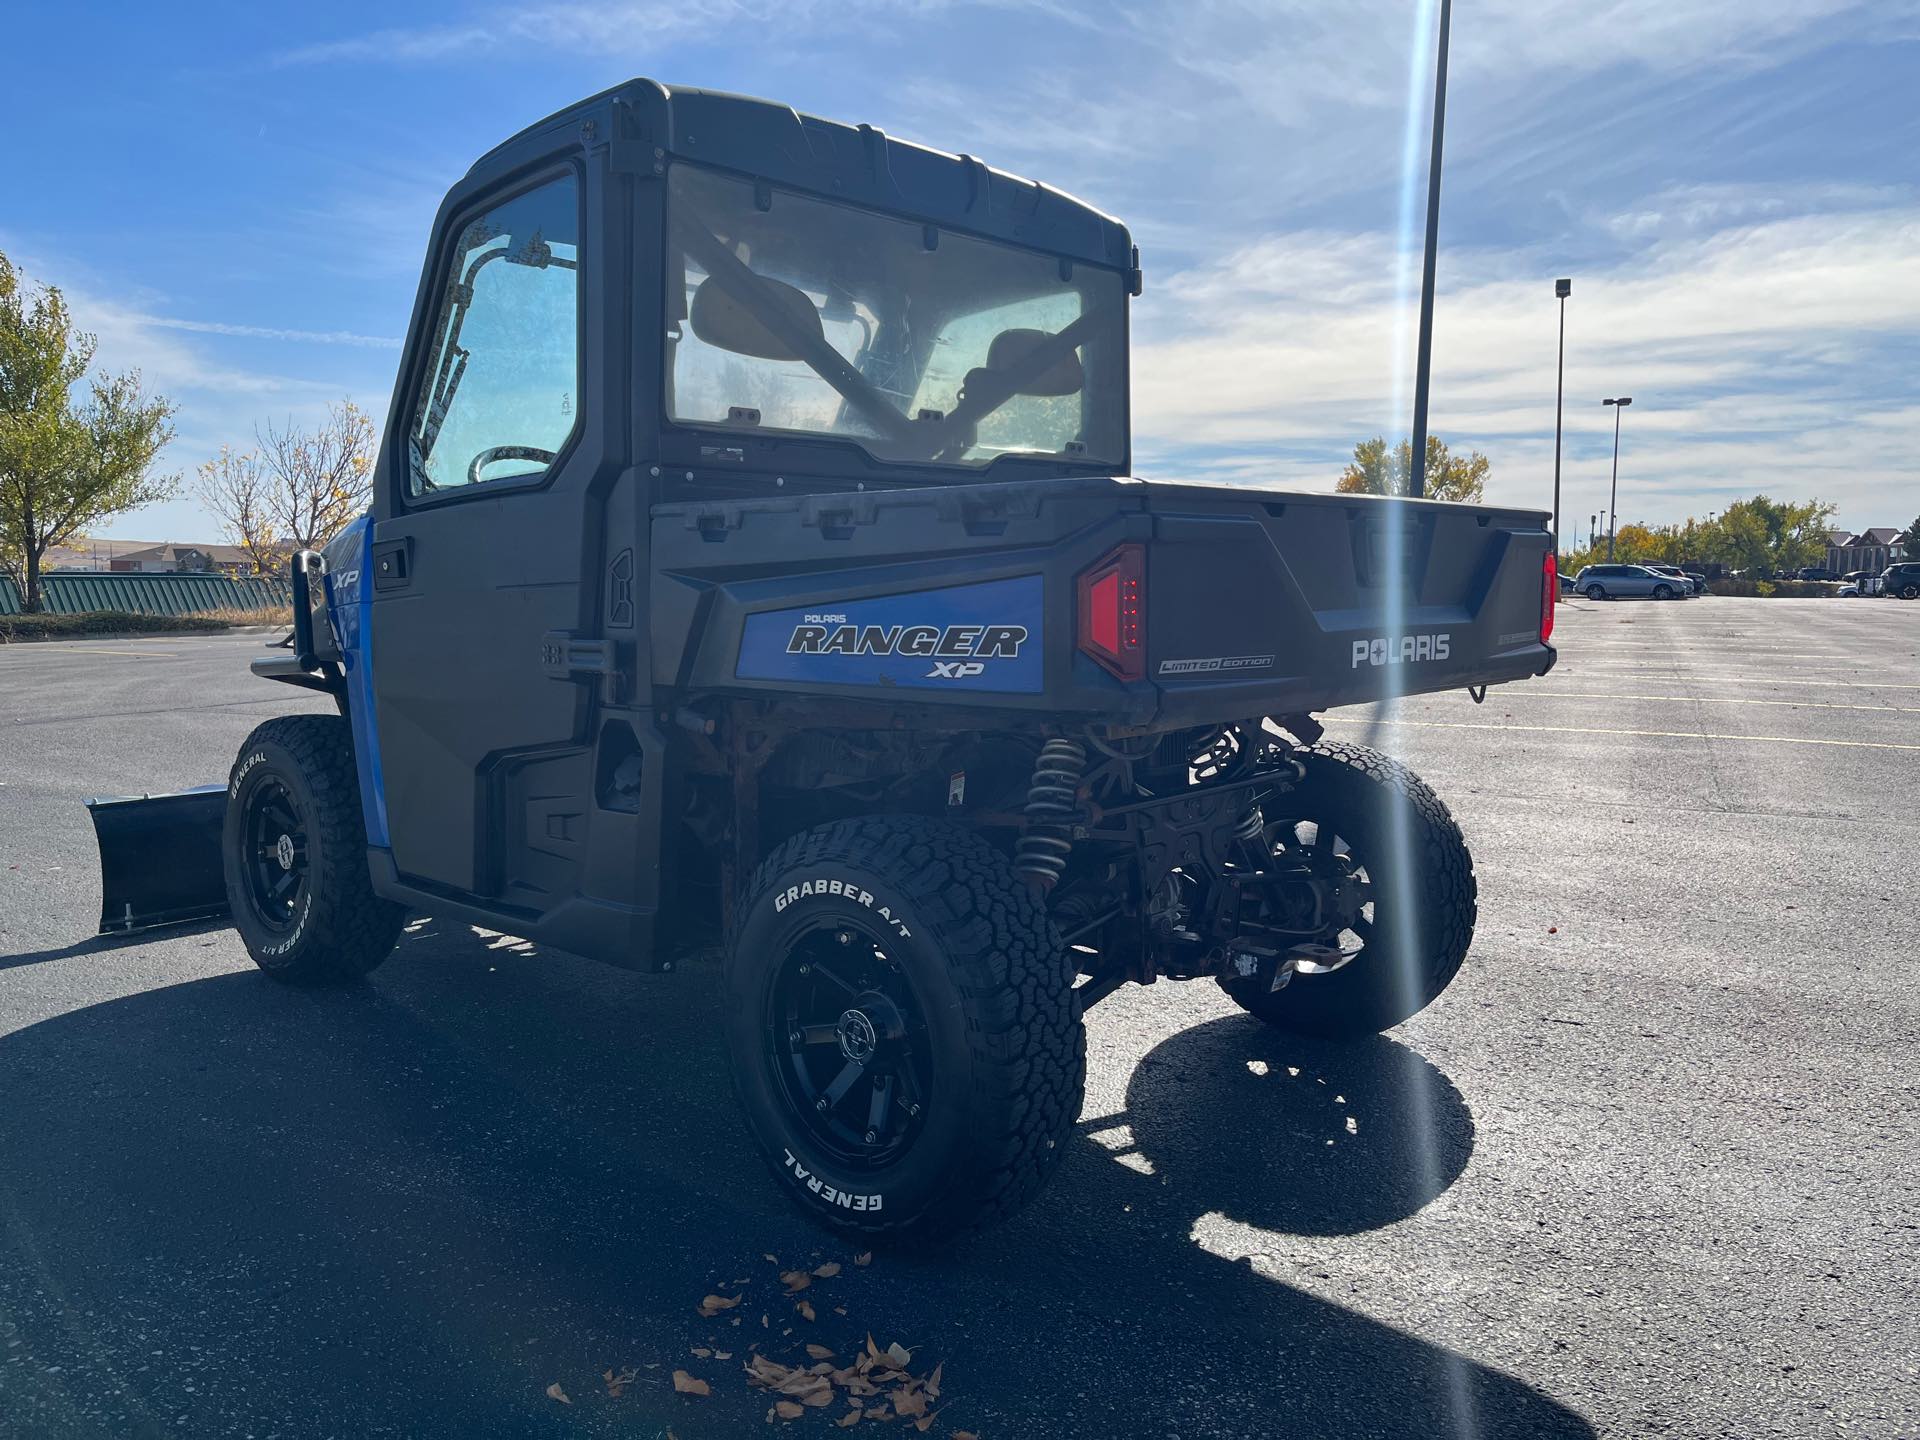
(160, 861)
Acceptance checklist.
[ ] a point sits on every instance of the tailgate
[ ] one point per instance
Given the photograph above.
(1282, 603)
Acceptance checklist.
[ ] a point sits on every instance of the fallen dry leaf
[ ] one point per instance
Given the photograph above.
(714, 1304)
(805, 1308)
(933, 1380)
(965, 1435)
(839, 1309)
(554, 1392)
(899, 1355)
(723, 1354)
(819, 1352)
(925, 1422)
(848, 1420)
(702, 1351)
(795, 1280)
(787, 1410)
(771, 1259)
(865, 1257)
(617, 1384)
(690, 1384)
(828, 1270)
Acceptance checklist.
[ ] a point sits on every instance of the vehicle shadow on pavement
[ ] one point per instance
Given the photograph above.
(228, 1207)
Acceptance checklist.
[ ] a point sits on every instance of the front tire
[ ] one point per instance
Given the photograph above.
(1663, 592)
(1407, 943)
(295, 848)
(904, 1036)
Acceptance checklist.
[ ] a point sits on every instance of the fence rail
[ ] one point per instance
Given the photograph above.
(81, 592)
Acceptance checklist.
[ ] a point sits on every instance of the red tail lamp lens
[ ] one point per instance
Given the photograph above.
(1112, 612)
(1549, 593)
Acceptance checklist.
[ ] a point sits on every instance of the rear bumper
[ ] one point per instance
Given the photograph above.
(1201, 702)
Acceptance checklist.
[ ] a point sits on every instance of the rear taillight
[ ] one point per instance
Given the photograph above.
(1549, 594)
(1111, 618)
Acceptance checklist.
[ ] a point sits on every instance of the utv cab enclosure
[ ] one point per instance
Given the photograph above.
(754, 562)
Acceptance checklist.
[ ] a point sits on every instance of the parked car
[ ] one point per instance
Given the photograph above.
(1699, 582)
(1680, 578)
(1902, 580)
(1616, 582)
(1815, 572)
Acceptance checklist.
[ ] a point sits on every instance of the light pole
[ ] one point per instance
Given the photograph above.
(1593, 529)
(1417, 480)
(1613, 502)
(1562, 289)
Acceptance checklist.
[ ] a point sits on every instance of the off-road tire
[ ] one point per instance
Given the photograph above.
(1423, 919)
(342, 930)
(995, 989)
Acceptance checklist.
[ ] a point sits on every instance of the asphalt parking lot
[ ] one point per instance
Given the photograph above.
(1649, 1167)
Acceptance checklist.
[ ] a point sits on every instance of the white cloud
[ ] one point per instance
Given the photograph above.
(1757, 356)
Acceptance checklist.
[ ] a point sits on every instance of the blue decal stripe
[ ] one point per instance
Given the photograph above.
(961, 637)
(352, 616)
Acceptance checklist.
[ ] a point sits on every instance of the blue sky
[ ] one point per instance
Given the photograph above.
(236, 198)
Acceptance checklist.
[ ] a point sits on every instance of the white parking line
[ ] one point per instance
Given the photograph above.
(1830, 683)
(1531, 692)
(1601, 730)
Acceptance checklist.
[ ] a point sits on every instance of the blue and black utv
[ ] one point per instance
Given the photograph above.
(753, 562)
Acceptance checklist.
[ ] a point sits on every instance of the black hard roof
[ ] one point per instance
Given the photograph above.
(856, 163)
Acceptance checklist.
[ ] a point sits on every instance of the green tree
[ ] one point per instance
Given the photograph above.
(1376, 470)
(64, 464)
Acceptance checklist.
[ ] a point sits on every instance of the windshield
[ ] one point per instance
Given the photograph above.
(923, 345)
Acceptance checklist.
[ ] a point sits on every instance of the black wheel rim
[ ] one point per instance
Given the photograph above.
(852, 1058)
(1353, 891)
(276, 854)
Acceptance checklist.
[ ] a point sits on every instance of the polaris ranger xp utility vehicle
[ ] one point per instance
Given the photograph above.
(753, 558)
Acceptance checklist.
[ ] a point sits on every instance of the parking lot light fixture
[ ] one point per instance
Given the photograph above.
(1613, 500)
(1561, 289)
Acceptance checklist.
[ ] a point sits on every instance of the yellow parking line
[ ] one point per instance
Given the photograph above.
(1598, 730)
(129, 654)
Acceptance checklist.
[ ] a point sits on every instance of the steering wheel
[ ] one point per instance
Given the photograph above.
(494, 453)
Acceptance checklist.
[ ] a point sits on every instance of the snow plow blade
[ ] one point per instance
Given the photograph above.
(160, 858)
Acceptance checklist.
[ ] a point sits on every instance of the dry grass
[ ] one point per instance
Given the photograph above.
(272, 615)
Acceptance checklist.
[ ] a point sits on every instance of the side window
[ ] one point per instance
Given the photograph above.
(499, 394)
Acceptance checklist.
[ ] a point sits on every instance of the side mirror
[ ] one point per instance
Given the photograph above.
(1064, 376)
(723, 321)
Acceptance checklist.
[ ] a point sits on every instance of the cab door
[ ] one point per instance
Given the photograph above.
(506, 507)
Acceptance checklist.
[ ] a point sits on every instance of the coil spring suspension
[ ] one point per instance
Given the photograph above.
(1251, 825)
(1053, 801)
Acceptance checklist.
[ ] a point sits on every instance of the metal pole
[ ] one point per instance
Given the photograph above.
(1613, 502)
(1417, 485)
(1561, 288)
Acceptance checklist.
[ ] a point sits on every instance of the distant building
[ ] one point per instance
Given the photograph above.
(171, 559)
(1872, 550)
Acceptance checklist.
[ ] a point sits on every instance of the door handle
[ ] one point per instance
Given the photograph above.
(393, 564)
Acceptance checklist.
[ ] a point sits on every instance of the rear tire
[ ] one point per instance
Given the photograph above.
(295, 846)
(948, 978)
(1596, 592)
(1423, 914)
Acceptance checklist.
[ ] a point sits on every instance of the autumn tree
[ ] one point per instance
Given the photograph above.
(65, 464)
(297, 489)
(1376, 470)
